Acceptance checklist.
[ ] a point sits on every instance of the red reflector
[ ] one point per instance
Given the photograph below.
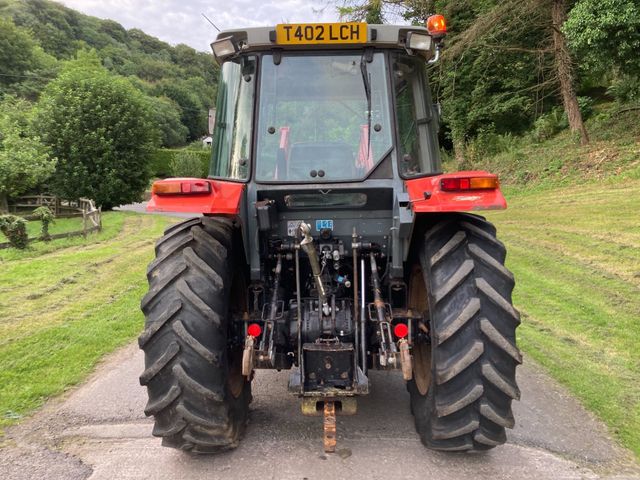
(196, 187)
(254, 330)
(436, 25)
(450, 184)
(401, 330)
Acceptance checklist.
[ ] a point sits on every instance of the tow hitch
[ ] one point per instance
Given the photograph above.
(329, 409)
(329, 423)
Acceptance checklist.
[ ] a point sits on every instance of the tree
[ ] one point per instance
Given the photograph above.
(504, 62)
(369, 11)
(25, 161)
(101, 129)
(565, 71)
(16, 52)
(166, 114)
(24, 66)
(194, 114)
(605, 34)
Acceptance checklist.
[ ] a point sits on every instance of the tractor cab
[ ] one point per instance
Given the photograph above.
(324, 113)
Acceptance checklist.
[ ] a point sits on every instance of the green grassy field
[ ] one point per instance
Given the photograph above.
(575, 253)
(66, 303)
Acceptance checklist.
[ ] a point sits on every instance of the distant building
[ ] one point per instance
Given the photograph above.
(206, 142)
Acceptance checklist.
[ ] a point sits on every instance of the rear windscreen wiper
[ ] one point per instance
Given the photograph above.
(366, 80)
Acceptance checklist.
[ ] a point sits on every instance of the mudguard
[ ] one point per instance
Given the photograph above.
(222, 198)
(426, 194)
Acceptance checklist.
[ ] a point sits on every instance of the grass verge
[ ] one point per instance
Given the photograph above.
(575, 253)
(66, 303)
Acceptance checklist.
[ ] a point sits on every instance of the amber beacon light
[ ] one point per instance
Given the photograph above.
(437, 26)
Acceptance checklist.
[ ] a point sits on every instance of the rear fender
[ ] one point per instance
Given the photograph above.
(429, 203)
(224, 198)
(427, 196)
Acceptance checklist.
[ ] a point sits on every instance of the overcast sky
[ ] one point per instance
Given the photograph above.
(181, 21)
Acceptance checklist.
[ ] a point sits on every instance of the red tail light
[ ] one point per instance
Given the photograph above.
(254, 330)
(470, 183)
(181, 187)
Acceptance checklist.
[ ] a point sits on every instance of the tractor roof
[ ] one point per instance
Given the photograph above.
(266, 38)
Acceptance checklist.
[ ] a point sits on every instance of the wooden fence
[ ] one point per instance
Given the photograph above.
(83, 207)
(60, 207)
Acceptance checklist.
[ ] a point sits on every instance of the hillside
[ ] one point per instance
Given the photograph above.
(529, 162)
(181, 80)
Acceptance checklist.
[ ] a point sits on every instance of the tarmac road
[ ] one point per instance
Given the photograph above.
(98, 431)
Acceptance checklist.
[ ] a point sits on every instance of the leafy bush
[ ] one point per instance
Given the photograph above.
(586, 107)
(625, 89)
(160, 163)
(25, 162)
(187, 163)
(15, 229)
(488, 143)
(205, 159)
(46, 216)
(547, 125)
(162, 160)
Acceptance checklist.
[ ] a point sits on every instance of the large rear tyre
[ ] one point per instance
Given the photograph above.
(197, 394)
(464, 380)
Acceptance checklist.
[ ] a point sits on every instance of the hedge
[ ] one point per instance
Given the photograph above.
(162, 158)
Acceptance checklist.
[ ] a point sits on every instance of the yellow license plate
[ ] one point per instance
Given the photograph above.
(321, 33)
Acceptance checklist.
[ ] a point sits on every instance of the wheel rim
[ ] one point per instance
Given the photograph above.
(418, 301)
(235, 381)
(422, 366)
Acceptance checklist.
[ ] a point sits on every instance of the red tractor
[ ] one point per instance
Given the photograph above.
(329, 243)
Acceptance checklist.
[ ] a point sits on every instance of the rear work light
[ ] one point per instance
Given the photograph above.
(181, 187)
(469, 183)
(437, 26)
(224, 48)
(416, 41)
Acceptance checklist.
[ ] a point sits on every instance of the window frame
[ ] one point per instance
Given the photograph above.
(431, 140)
(317, 180)
(256, 91)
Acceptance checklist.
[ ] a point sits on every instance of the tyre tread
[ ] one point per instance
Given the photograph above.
(473, 323)
(184, 339)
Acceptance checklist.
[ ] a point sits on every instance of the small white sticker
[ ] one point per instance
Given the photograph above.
(467, 198)
(292, 227)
